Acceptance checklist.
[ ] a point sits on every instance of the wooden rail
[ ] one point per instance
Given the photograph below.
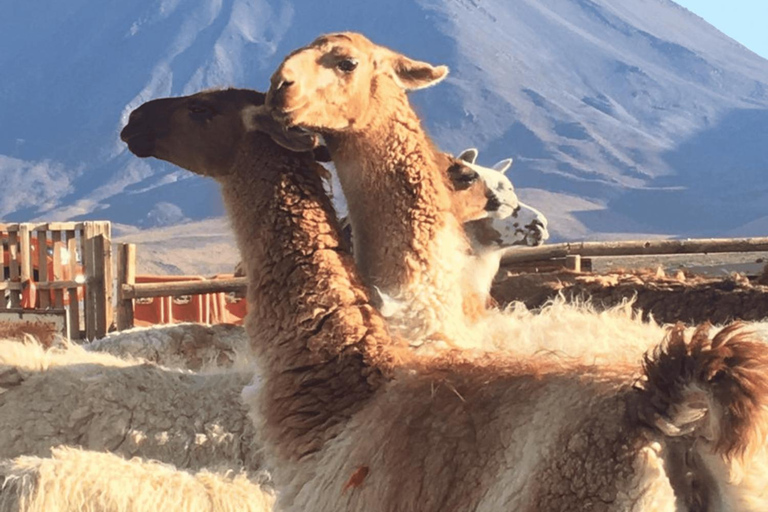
(635, 248)
(146, 290)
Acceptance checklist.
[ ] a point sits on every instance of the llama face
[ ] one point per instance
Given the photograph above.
(471, 199)
(511, 221)
(502, 199)
(202, 132)
(329, 84)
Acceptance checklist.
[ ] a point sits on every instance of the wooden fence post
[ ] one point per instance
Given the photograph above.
(74, 306)
(90, 284)
(573, 262)
(13, 255)
(100, 279)
(126, 274)
(42, 266)
(26, 254)
(106, 231)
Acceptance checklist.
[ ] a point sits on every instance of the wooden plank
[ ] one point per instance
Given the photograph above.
(106, 230)
(100, 284)
(6, 270)
(44, 299)
(38, 226)
(636, 247)
(51, 226)
(7, 285)
(13, 267)
(573, 262)
(140, 290)
(26, 265)
(26, 250)
(126, 274)
(58, 271)
(65, 226)
(58, 285)
(74, 303)
(90, 288)
(540, 266)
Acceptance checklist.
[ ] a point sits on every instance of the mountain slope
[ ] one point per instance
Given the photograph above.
(623, 116)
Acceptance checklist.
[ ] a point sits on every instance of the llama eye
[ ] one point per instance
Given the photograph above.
(196, 110)
(468, 178)
(347, 65)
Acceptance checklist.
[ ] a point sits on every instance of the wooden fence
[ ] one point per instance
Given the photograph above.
(572, 255)
(129, 290)
(546, 257)
(60, 266)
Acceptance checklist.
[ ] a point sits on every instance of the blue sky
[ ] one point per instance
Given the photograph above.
(742, 20)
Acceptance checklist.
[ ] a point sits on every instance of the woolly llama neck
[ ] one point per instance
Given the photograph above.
(310, 318)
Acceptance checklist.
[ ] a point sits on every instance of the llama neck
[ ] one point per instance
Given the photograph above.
(407, 240)
(320, 345)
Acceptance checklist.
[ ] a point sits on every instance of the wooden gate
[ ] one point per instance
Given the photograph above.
(60, 266)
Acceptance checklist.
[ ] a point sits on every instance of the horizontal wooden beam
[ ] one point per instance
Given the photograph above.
(58, 285)
(635, 248)
(44, 226)
(145, 290)
(47, 285)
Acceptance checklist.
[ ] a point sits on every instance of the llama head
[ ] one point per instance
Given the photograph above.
(502, 199)
(471, 198)
(203, 131)
(329, 85)
(511, 221)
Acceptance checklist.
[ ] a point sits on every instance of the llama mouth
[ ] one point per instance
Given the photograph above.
(296, 129)
(141, 144)
(284, 115)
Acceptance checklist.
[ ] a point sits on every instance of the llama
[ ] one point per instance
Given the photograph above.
(69, 396)
(352, 92)
(351, 420)
(187, 346)
(493, 218)
(510, 223)
(73, 480)
(275, 199)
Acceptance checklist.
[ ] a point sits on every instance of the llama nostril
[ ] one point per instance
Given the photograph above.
(277, 93)
(493, 204)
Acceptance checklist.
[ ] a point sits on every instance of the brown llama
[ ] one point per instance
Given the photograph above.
(351, 422)
(408, 241)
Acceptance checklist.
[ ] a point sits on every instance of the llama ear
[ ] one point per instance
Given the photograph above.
(413, 74)
(503, 165)
(259, 119)
(468, 155)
